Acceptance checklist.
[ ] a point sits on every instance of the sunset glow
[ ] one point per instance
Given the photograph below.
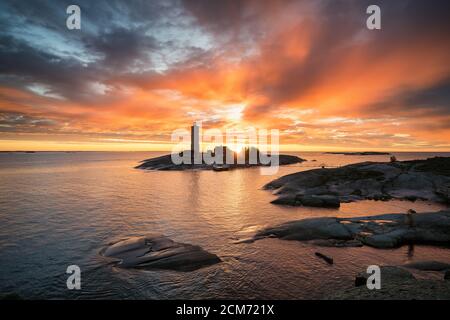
(312, 70)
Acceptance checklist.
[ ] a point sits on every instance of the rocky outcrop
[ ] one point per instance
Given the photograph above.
(419, 179)
(158, 252)
(381, 231)
(165, 163)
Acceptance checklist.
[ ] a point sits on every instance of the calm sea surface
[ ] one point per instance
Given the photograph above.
(59, 209)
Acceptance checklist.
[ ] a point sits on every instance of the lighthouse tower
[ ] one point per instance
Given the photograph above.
(195, 144)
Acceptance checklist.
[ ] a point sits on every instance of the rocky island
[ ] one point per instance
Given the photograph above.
(411, 180)
(221, 158)
(165, 163)
(158, 252)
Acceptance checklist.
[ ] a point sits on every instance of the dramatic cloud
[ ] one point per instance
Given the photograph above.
(138, 70)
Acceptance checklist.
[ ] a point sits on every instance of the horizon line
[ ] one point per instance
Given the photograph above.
(297, 151)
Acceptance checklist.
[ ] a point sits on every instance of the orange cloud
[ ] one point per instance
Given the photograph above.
(310, 70)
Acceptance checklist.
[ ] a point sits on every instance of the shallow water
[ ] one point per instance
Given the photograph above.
(59, 209)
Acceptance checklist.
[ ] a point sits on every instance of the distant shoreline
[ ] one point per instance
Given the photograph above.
(324, 152)
(364, 153)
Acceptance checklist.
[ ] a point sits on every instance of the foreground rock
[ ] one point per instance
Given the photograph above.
(389, 274)
(411, 180)
(159, 252)
(381, 231)
(165, 163)
(396, 283)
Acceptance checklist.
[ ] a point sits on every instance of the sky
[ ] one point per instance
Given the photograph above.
(138, 70)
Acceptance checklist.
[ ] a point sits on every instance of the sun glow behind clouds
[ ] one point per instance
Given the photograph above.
(233, 112)
(311, 70)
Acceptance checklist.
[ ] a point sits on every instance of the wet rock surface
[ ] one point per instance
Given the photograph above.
(389, 274)
(447, 275)
(158, 252)
(323, 201)
(410, 180)
(380, 231)
(428, 265)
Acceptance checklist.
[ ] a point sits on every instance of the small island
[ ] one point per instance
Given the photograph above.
(221, 158)
(165, 163)
(365, 153)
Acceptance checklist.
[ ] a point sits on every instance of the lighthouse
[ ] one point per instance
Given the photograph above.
(195, 144)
